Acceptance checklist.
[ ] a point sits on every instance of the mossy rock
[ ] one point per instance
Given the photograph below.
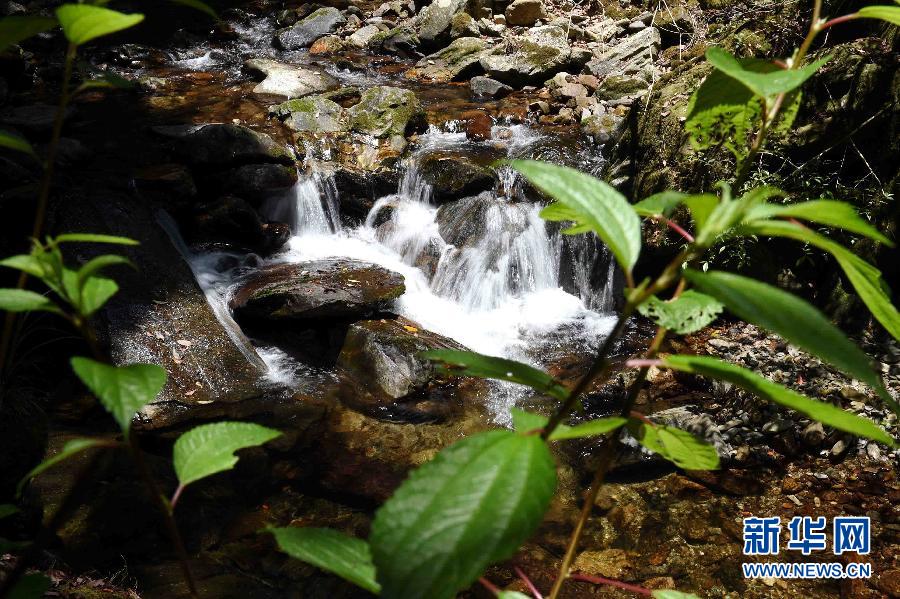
(386, 112)
(313, 114)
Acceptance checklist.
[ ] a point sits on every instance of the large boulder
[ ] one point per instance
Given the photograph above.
(220, 145)
(525, 12)
(331, 288)
(534, 57)
(452, 176)
(362, 36)
(259, 182)
(313, 114)
(386, 355)
(401, 41)
(435, 21)
(632, 57)
(232, 221)
(288, 81)
(304, 32)
(386, 112)
(456, 62)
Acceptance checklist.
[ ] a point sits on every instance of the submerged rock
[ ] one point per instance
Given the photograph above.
(332, 288)
(534, 57)
(289, 81)
(452, 176)
(459, 60)
(385, 355)
(304, 32)
(224, 145)
(386, 112)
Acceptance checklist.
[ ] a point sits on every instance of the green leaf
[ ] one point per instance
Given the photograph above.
(473, 505)
(525, 422)
(891, 14)
(688, 313)
(209, 448)
(30, 586)
(94, 238)
(794, 319)
(765, 85)
(701, 207)
(94, 265)
(16, 142)
(19, 28)
(330, 550)
(70, 449)
(762, 387)
(22, 300)
(679, 447)
(82, 23)
(26, 263)
(466, 363)
(105, 81)
(512, 595)
(669, 594)
(198, 5)
(589, 203)
(95, 293)
(123, 390)
(660, 204)
(864, 277)
(7, 510)
(832, 213)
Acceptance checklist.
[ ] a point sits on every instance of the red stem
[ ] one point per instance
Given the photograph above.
(489, 585)
(838, 21)
(675, 227)
(534, 591)
(614, 583)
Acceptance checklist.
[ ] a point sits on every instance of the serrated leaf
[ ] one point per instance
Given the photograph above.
(123, 390)
(346, 556)
(466, 363)
(765, 85)
(95, 292)
(473, 505)
(670, 594)
(524, 422)
(688, 313)
(865, 278)
(589, 203)
(679, 447)
(16, 29)
(890, 14)
(31, 586)
(750, 381)
(198, 5)
(16, 142)
(794, 319)
(832, 213)
(94, 238)
(70, 449)
(23, 300)
(209, 448)
(82, 23)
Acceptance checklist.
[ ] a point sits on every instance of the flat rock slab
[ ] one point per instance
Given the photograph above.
(223, 144)
(288, 81)
(331, 288)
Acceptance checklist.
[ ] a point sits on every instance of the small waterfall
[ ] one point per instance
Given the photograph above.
(311, 206)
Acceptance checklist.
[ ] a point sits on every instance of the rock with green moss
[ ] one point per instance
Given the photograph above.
(452, 176)
(330, 288)
(313, 114)
(435, 20)
(534, 57)
(458, 61)
(463, 25)
(304, 32)
(401, 41)
(385, 112)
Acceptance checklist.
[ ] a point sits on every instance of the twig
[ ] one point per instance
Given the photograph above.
(534, 590)
(613, 583)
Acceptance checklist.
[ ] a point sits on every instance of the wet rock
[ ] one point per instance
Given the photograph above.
(452, 176)
(169, 184)
(434, 21)
(385, 354)
(288, 81)
(333, 288)
(458, 61)
(314, 114)
(304, 32)
(463, 222)
(401, 41)
(33, 118)
(358, 191)
(233, 221)
(525, 12)
(485, 87)
(534, 57)
(361, 37)
(478, 124)
(463, 25)
(631, 57)
(327, 45)
(223, 145)
(386, 111)
(214, 372)
(258, 182)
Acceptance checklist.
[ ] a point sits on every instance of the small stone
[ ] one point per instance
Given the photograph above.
(485, 87)
(525, 12)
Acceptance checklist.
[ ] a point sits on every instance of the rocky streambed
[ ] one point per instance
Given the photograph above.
(318, 200)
